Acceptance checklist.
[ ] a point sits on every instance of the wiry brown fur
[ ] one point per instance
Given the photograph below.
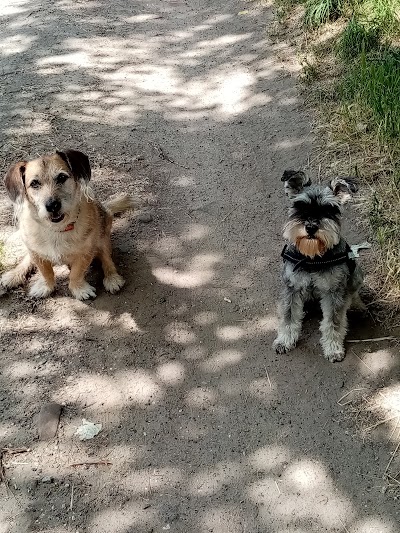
(82, 234)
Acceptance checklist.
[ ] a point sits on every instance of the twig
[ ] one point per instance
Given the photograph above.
(91, 463)
(269, 381)
(347, 393)
(162, 155)
(277, 486)
(393, 479)
(381, 422)
(376, 339)
(344, 526)
(228, 214)
(363, 362)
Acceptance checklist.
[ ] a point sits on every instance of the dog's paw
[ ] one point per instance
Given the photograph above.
(336, 356)
(281, 347)
(113, 283)
(11, 279)
(40, 289)
(84, 292)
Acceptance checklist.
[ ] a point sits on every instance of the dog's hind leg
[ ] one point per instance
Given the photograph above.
(357, 304)
(334, 325)
(292, 313)
(17, 276)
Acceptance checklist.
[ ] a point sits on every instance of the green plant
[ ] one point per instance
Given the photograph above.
(356, 38)
(375, 83)
(320, 11)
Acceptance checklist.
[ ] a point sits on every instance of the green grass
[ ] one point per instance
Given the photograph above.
(374, 83)
(318, 12)
(356, 38)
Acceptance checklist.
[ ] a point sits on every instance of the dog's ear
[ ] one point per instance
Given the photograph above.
(15, 181)
(295, 181)
(343, 188)
(78, 163)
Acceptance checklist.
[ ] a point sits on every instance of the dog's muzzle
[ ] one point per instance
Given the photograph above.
(53, 206)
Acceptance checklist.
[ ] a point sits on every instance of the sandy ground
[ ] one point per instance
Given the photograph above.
(193, 109)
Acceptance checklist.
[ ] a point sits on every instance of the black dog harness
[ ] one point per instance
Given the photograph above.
(328, 260)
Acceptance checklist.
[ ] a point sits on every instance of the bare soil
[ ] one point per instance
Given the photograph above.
(194, 110)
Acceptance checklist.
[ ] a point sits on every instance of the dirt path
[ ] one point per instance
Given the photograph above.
(191, 107)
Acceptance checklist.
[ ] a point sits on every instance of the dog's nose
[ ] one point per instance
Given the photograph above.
(53, 205)
(311, 228)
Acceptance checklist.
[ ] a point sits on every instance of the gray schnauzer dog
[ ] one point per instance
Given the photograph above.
(317, 263)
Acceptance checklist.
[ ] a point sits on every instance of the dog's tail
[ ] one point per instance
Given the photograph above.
(119, 204)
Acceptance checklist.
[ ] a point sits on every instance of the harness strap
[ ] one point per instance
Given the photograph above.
(303, 262)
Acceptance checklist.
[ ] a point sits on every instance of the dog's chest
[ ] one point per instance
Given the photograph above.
(316, 283)
(53, 246)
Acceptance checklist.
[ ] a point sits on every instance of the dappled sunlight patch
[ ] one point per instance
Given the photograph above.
(127, 322)
(205, 318)
(201, 398)
(211, 480)
(221, 360)
(136, 387)
(182, 181)
(147, 480)
(172, 373)
(180, 333)
(16, 44)
(263, 389)
(230, 333)
(199, 272)
(385, 403)
(20, 369)
(378, 361)
(143, 17)
(269, 458)
(169, 246)
(124, 454)
(307, 475)
(373, 525)
(122, 520)
(195, 232)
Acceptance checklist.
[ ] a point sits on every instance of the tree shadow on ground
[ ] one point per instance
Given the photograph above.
(188, 106)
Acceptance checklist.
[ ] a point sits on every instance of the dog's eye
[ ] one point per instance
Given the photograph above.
(35, 184)
(61, 178)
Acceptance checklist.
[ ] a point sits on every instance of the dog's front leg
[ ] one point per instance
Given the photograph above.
(44, 282)
(334, 324)
(291, 318)
(77, 284)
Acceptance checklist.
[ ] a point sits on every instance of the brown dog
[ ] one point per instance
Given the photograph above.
(60, 223)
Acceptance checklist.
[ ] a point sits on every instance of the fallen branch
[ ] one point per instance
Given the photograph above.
(92, 463)
(376, 339)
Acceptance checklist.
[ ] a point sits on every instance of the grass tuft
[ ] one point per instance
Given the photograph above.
(375, 83)
(318, 12)
(357, 38)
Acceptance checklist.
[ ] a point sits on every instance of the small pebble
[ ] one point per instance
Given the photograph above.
(46, 479)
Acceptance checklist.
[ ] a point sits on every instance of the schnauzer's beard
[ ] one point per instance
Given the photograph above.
(327, 236)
